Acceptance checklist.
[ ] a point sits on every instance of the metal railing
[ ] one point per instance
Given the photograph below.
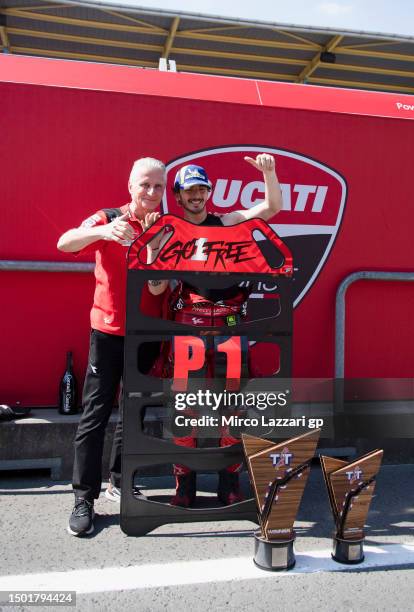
(340, 309)
(45, 266)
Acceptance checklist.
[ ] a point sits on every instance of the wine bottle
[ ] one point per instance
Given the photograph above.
(68, 396)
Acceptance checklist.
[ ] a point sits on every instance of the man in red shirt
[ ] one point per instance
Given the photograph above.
(108, 233)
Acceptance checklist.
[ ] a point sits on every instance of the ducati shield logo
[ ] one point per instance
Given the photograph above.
(314, 197)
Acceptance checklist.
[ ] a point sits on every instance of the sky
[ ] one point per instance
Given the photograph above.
(378, 16)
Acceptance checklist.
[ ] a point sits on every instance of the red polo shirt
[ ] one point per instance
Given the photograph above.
(109, 302)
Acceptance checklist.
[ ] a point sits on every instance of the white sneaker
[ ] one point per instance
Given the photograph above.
(113, 493)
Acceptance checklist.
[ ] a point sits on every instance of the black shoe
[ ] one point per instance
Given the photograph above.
(185, 490)
(228, 491)
(7, 413)
(81, 519)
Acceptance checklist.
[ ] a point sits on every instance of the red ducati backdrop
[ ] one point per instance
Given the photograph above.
(70, 132)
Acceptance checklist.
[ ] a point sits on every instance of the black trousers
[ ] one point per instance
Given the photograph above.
(103, 377)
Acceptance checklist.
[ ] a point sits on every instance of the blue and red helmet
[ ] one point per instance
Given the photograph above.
(191, 175)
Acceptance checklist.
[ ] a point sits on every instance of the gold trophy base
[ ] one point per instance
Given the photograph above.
(349, 552)
(273, 555)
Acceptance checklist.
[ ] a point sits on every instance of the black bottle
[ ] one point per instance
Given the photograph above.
(68, 396)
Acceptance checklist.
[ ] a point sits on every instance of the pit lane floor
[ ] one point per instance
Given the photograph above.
(205, 566)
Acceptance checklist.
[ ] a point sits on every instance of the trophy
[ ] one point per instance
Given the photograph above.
(278, 473)
(350, 489)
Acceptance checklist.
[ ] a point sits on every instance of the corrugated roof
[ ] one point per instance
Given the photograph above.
(93, 31)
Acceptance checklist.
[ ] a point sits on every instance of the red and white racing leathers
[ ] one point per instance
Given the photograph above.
(198, 307)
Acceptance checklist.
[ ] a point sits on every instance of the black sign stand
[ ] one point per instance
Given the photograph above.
(140, 515)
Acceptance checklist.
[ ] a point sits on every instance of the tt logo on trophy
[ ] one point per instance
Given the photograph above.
(283, 458)
(354, 475)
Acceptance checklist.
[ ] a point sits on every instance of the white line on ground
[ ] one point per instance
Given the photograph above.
(193, 572)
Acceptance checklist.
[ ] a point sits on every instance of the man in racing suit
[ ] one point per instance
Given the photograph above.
(196, 306)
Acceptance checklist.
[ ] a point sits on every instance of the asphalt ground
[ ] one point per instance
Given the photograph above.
(204, 566)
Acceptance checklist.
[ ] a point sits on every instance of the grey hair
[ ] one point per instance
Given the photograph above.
(150, 163)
